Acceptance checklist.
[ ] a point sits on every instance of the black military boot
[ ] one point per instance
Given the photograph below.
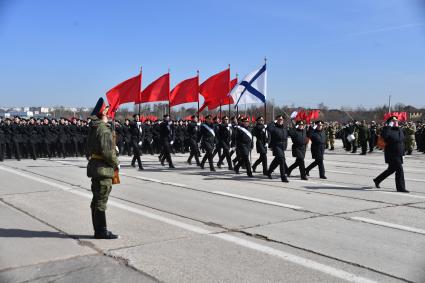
(100, 231)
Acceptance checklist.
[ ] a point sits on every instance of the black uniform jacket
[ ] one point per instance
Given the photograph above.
(262, 137)
(318, 143)
(394, 144)
(299, 142)
(279, 139)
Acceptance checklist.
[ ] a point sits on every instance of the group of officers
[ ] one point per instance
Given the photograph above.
(231, 139)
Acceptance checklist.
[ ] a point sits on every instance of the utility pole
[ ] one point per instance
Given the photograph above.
(389, 104)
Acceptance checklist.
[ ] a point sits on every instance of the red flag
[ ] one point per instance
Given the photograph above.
(215, 88)
(125, 92)
(158, 90)
(401, 116)
(185, 92)
(225, 100)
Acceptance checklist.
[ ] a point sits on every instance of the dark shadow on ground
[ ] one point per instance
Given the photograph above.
(21, 233)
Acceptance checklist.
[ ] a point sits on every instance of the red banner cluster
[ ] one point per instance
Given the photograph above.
(401, 116)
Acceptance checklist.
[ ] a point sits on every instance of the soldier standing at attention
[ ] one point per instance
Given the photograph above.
(393, 152)
(102, 163)
(409, 133)
(318, 141)
(332, 133)
(363, 136)
(372, 136)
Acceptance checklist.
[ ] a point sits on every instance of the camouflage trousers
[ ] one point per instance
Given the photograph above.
(101, 188)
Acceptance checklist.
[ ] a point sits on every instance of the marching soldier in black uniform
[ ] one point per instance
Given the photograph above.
(127, 138)
(193, 133)
(208, 140)
(167, 137)
(148, 137)
(278, 144)
(372, 136)
(136, 132)
(318, 144)
(262, 137)
(299, 145)
(224, 137)
(394, 151)
(244, 145)
(73, 138)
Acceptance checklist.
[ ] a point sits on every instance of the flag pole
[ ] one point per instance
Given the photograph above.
(197, 73)
(265, 101)
(140, 106)
(169, 107)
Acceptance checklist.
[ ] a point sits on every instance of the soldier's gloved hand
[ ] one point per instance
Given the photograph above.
(140, 143)
(267, 145)
(171, 142)
(117, 149)
(119, 167)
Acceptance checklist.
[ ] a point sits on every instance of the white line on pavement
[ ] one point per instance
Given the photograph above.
(391, 177)
(391, 225)
(338, 273)
(401, 194)
(258, 200)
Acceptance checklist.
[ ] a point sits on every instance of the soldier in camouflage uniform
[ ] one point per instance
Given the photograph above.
(331, 133)
(325, 129)
(102, 163)
(409, 133)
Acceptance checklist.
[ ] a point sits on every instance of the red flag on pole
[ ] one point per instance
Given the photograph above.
(158, 90)
(125, 92)
(223, 101)
(215, 88)
(185, 92)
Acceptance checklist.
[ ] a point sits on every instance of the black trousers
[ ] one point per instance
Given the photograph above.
(2, 151)
(193, 152)
(363, 144)
(136, 154)
(317, 162)
(16, 150)
(397, 167)
(208, 156)
(263, 160)
(281, 162)
(299, 162)
(244, 160)
(226, 154)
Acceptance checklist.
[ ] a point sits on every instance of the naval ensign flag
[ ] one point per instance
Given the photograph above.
(252, 89)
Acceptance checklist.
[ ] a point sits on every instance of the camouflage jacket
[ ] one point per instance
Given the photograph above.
(101, 151)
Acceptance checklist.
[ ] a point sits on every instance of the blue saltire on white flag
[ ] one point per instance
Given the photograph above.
(252, 89)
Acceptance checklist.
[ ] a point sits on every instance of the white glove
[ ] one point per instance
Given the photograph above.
(140, 143)
(267, 145)
(117, 149)
(119, 167)
(171, 142)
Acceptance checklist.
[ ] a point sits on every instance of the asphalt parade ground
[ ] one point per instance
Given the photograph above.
(193, 225)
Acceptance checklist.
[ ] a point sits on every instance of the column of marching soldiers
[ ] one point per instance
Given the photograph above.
(229, 140)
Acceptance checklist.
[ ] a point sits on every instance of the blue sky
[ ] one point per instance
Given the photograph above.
(342, 53)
